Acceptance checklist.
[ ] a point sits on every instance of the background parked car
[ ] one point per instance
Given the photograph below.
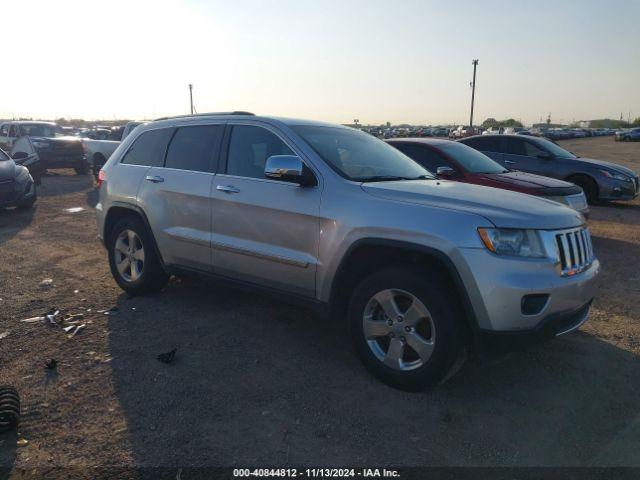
(458, 162)
(44, 141)
(632, 135)
(600, 180)
(17, 187)
(99, 151)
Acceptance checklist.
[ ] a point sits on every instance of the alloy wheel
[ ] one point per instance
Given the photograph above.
(399, 329)
(129, 255)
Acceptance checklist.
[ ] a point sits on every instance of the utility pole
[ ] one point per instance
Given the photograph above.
(473, 91)
(191, 96)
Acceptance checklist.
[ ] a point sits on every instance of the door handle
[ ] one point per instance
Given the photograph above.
(154, 178)
(510, 162)
(228, 189)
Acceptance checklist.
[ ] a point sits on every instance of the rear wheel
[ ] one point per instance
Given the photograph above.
(82, 168)
(134, 262)
(405, 328)
(588, 185)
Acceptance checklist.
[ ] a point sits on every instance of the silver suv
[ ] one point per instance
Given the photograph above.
(420, 267)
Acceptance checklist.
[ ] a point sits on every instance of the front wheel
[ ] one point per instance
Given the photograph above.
(405, 327)
(29, 202)
(134, 262)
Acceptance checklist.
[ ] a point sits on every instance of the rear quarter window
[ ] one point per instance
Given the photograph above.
(149, 148)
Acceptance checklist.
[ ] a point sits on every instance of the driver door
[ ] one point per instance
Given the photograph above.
(265, 231)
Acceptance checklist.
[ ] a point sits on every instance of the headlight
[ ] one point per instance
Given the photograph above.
(617, 176)
(513, 242)
(41, 144)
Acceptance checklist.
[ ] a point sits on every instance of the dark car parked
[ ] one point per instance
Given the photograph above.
(46, 142)
(455, 161)
(600, 180)
(17, 188)
(632, 135)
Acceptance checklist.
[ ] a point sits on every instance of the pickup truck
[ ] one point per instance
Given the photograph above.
(99, 151)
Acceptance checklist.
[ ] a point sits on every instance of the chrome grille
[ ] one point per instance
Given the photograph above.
(575, 251)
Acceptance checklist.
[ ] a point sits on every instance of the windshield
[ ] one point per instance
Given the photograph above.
(39, 130)
(3, 156)
(554, 149)
(471, 159)
(360, 157)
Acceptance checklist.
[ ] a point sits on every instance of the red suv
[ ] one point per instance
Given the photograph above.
(458, 162)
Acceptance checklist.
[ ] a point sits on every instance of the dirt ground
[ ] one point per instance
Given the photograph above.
(260, 383)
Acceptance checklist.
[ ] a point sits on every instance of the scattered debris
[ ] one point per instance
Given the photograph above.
(51, 316)
(4, 334)
(9, 408)
(51, 364)
(33, 319)
(22, 442)
(168, 356)
(78, 328)
(46, 283)
(69, 328)
(76, 291)
(74, 209)
(111, 311)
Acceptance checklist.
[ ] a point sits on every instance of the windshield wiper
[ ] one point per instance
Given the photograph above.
(391, 178)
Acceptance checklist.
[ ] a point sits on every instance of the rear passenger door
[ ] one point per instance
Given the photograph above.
(489, 145)
(176, 195)
(523, 155)
(265, 231)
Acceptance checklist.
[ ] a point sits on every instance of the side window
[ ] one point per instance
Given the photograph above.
(13, 131)
(484, 144)
(515, 146)
(532, 150)
(425, 156)
(193, 148)
(149, 148)
(4, 130)
(249, 148)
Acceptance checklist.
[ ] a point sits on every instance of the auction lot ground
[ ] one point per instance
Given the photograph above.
(260, 383)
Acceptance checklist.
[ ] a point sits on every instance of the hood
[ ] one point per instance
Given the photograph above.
(59, 143)
(527, 180)
(609, 165)
(7, 170)
(503, 208)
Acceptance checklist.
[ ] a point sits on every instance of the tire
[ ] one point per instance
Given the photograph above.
(82, 169)
(144, 272)
(9, 408)
(98, 163)
(438, 333)
(588, 185)
(27, 204)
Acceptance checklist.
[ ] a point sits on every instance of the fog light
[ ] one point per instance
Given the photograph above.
(534, 303)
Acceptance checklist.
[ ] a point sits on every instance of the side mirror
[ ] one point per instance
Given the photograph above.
(545, 156)
(445, 172)
(289, 168)
(19, 155)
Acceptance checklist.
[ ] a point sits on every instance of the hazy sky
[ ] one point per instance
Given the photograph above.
(334, 60)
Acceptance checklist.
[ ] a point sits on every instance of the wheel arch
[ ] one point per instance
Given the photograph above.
(119, 210)
(577, 175)
(366, 255)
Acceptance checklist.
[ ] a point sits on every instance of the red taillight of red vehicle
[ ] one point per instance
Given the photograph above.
(101, 178)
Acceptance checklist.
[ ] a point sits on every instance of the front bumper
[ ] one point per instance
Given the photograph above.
(553, 325)
(578, 202)
(22, 193)
(612, 189)
(499, 288)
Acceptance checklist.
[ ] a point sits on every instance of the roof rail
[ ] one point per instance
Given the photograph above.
(235, 112)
